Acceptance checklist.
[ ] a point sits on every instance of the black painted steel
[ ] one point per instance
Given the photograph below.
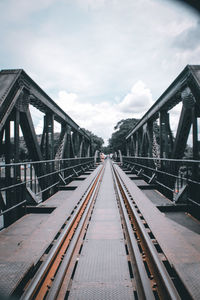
(174, 178)
(143, 139)
(32, 289)
(159, 156)
(144, 289)
(30, 188)
(17, 93)
(170, 289)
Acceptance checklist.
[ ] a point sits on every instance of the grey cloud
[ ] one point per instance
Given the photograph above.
(189, 38)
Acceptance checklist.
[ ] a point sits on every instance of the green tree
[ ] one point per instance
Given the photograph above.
(97, 141)
(118, 138)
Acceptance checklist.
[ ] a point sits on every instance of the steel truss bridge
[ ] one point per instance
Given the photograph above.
(74, 227)
(50, 163)
(162, 159)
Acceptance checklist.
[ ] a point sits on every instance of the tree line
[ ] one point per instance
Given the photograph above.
(118, 138)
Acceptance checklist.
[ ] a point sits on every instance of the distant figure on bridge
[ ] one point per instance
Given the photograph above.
(102, 157)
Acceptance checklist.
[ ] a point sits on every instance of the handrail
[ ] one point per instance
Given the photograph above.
(38, 180)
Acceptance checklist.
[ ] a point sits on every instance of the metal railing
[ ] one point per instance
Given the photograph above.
(32, 182)
(175, 178)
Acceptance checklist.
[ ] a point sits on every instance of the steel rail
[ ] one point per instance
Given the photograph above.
(168, 285)
(57, 283)
(144, 289)
(32, 290)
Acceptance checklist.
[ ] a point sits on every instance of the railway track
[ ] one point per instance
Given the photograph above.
(154, 277)
(151, 275)
(57, 264)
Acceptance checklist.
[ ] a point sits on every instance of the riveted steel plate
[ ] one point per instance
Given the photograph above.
(102, 270)
(193, 278)
(176, 233)
(103, 261)
(101, 291)
(10, 274)
(25, 241)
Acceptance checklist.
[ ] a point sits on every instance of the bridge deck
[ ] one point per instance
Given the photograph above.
(178, 235)
(102, 269)
(24, 242)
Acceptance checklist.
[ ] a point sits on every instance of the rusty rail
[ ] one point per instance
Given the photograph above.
(154, 279)
(52, 271)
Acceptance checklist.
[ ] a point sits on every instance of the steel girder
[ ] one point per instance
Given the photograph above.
(185, 89)
(17, 91)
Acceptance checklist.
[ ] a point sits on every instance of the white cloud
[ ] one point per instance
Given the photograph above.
(97, 49)
(19, 10)
(175, 113)
(92, 4)
(176, 27)
(90, 46)
(100, 118)
(138, 100)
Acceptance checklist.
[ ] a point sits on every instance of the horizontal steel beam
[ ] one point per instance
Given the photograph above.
(12, 80)
(171, 96)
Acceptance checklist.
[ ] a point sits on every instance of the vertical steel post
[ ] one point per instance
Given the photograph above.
(81, 142)
(7, 219)
(17, 192)
(195, 134)
(67, 145)
(76, 143)
(131, 146)
(128, 147)
(164, 132)
(150, 138)
(49, 144)
(161, 133)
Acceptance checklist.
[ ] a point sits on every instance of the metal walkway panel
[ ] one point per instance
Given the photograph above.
(157, 198)
(24, 242)
(10, 273)
(104, 256)
(101, 291)
(102, 270)
(185, 221)
(12, 239)
(180, 244)
(58, 199)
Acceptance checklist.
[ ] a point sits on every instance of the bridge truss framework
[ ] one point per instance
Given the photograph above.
(67, 157)
(159, 156)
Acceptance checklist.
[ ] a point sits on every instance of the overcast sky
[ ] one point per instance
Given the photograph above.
(100, 60)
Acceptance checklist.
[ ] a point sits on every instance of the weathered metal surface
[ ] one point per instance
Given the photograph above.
(17, 93)
(38, 98)
(163, 283)
(25, 241)
(169, 98)
(179, 244)
(102, 270)
(51, 266)
(141, 140)
(10, 274)
(9, 93)
(177, 179)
